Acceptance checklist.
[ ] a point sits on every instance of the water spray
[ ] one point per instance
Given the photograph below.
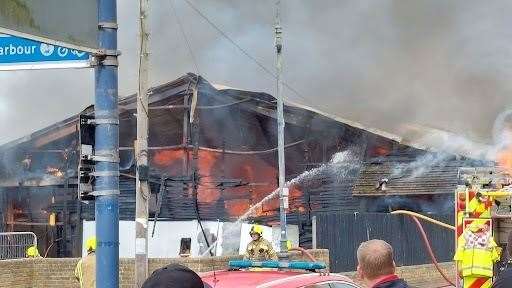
(333, 166)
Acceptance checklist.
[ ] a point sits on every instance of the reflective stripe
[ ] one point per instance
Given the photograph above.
(477, 282)
(476, 268)
(79, 273)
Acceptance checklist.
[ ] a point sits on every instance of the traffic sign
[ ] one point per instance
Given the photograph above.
(67, 23)
(19, 53)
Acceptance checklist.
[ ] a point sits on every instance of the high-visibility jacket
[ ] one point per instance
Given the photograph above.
(476, 254)
(260, 250)
(85, 271)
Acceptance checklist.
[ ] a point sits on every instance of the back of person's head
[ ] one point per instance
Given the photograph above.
(375, 259)
(175, 276)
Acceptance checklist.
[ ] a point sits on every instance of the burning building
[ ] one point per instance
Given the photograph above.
(213, 156)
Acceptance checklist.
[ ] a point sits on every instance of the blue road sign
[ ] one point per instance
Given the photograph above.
(19, 53)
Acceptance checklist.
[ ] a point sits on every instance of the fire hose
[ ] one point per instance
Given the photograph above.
(414, 217)
(423, 217)
(304, 253)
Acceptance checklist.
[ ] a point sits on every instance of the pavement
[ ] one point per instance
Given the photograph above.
(430, 284)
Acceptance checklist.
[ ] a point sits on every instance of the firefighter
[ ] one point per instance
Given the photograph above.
(85, 271)
(476, 253)
(32, 252)
(259, 249)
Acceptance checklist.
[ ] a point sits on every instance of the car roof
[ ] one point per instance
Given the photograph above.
(264, 279)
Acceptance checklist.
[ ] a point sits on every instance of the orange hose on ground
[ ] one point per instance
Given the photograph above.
(304, 252)
(429, 249)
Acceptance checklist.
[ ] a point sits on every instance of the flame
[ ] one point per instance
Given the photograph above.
(504, 159)
(380, 151)
(54, 171)
(237, 207)
(213, 166)
(165, 158)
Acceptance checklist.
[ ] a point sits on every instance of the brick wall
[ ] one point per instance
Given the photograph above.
(59, 272)
(16, 273)
(26, 273)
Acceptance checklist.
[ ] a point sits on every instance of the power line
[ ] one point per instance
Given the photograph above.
(263, 67)
(191, 52)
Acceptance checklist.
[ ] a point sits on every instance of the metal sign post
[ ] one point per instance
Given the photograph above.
(106, 188)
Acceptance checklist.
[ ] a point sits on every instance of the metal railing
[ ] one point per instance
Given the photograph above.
(13, 245)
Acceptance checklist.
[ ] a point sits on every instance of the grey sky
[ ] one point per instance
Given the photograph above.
(387, 63)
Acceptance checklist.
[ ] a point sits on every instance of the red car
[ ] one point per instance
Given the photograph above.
(275, 279)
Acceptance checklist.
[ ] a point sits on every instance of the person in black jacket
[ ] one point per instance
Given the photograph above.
(504, 279)
(376, 267)
(174, 276)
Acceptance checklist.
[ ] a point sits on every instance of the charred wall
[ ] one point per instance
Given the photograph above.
(210, 159)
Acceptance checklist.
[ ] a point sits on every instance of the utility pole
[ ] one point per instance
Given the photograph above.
(106, 187)
(142, 192)
(283, 191)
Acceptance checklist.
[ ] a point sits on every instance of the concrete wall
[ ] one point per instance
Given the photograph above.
(59, 272)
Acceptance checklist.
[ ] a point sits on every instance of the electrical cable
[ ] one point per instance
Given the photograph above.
(167, 107)
(218, 150)
(49, 247)
(187, 42)
(196, 208)
(258, 63)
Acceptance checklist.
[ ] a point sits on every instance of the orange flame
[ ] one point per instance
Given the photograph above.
(381, 150)
(212, 167)
(54, 171)
(504, 159)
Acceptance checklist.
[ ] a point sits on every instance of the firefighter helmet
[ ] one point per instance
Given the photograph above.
(256, 229)
(91, 244)
(32, 252)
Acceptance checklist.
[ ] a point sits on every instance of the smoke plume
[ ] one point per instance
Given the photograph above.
(441, 64)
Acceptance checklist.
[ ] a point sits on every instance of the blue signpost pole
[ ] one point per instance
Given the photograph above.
(106, 153)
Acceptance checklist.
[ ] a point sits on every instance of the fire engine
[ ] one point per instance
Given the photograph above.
(482, 224)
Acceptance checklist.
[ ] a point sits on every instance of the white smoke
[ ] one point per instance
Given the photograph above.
(421, 165)
(445, 146)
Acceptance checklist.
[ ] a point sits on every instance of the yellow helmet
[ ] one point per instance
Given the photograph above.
(32, 252)
(256, 229)
(91, 244)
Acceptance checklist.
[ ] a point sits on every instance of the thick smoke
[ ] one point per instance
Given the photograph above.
(441, 64)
